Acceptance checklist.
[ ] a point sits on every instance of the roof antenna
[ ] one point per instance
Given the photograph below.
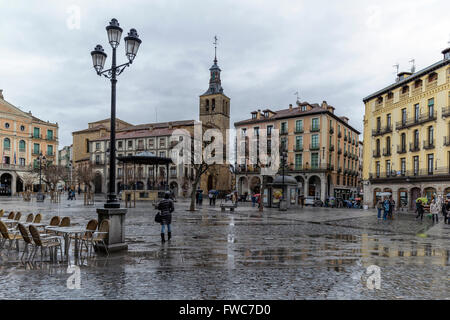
(413, 68)
(397, 66)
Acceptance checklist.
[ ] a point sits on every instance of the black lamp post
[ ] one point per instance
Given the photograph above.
(283, 165)
(40, 196)
(132, 43)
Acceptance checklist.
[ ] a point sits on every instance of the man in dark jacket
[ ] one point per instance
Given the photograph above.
(420, 209)
(166, 206)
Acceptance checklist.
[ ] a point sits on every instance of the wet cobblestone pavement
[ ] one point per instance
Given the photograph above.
(311, 253)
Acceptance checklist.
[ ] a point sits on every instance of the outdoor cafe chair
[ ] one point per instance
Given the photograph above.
(50, 243)
(30, 217)
(26, 238)
(2, 212)
(54, 222)
(86, 238)
(65, 222)
(37, 218)
(11, 215)
(102, 234)
(18, 216)
(7, 234)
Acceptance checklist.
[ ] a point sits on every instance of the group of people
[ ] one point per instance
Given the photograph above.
(71, 194)
(386, 207)
(437, 206)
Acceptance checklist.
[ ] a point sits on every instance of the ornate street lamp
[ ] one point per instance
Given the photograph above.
(132, 43)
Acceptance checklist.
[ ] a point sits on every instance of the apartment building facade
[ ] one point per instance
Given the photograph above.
(322, 150)
(25, 138)
(407, 136)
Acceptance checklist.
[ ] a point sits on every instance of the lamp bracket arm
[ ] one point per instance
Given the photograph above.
(118, 70)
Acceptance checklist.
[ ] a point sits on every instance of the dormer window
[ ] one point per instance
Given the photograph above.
(380, 100)
(266, 114)
(253, 115)
(432, 77)
(405, 89)
(303, 108)
(418, 84)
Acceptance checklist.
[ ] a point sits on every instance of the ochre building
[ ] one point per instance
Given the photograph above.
(407, 136)
(23, 139)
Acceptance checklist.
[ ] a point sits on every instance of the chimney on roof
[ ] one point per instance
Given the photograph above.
(1, 94)
(446, 53)
(290, 106)
(345, 119)
(170, 125)
(403, 75)
(324, 105)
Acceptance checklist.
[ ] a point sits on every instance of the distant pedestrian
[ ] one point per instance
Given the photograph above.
(444, 210)
(447, 208)
(420, 210)
(379, 208)
(435, 209)
(197, 194)
(386, 207)
(253, 200)
(391, 206)
(210, 196)
(200, 198)
(166, 206)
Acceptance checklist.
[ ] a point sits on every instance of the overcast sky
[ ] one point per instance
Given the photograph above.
(338, 51)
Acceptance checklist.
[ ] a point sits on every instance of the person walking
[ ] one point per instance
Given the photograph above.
(435, 209)
(200, 198)
(386, 206)
(253, 200)
(379, 208)
(391, 207)
(444, 210)
(166, 206)
(197, 194)
(420, 209)
(210, 196)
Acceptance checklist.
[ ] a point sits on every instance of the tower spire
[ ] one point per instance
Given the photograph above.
(215, 49)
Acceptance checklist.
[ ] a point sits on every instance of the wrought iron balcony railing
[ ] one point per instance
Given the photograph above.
(414, 121)
(428, 144)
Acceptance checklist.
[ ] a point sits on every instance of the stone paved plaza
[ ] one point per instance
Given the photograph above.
(311, 253)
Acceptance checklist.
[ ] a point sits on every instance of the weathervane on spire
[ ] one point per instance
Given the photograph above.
(215, 48)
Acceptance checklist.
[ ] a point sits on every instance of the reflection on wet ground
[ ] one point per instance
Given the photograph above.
(245, 255)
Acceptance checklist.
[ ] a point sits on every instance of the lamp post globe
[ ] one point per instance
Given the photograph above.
(98, 58)
(114, 33)
(132, 43)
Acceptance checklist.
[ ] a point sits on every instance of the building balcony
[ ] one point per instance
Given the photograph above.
(345, 153)
(35, 152)
(314, 147)
(308, 168)
(445, 112)
(314, 129)
(427, 144)
(298, 148)
(376, 154)
(299, 130)
(339, 134)
(387, 152)
(410, 122)
(401, 149)
(50, 154)
(382, 130)
(51, 138)
(447, 141)
(283, 132)
(8, 166)
(414, 147)
(345, 138)
(331, 148)
(339, 151)
(331, 131)
(98, 163)
(431, 85)
(339, 170)
(414, 175)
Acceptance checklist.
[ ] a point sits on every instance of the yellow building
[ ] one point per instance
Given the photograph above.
(23, 138)
(407, 136)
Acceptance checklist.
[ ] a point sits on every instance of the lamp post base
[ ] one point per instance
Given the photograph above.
(116, 237)
(40, 197)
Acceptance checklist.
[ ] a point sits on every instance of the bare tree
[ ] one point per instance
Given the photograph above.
(51, 174)
(28, 180)
(84, 174)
